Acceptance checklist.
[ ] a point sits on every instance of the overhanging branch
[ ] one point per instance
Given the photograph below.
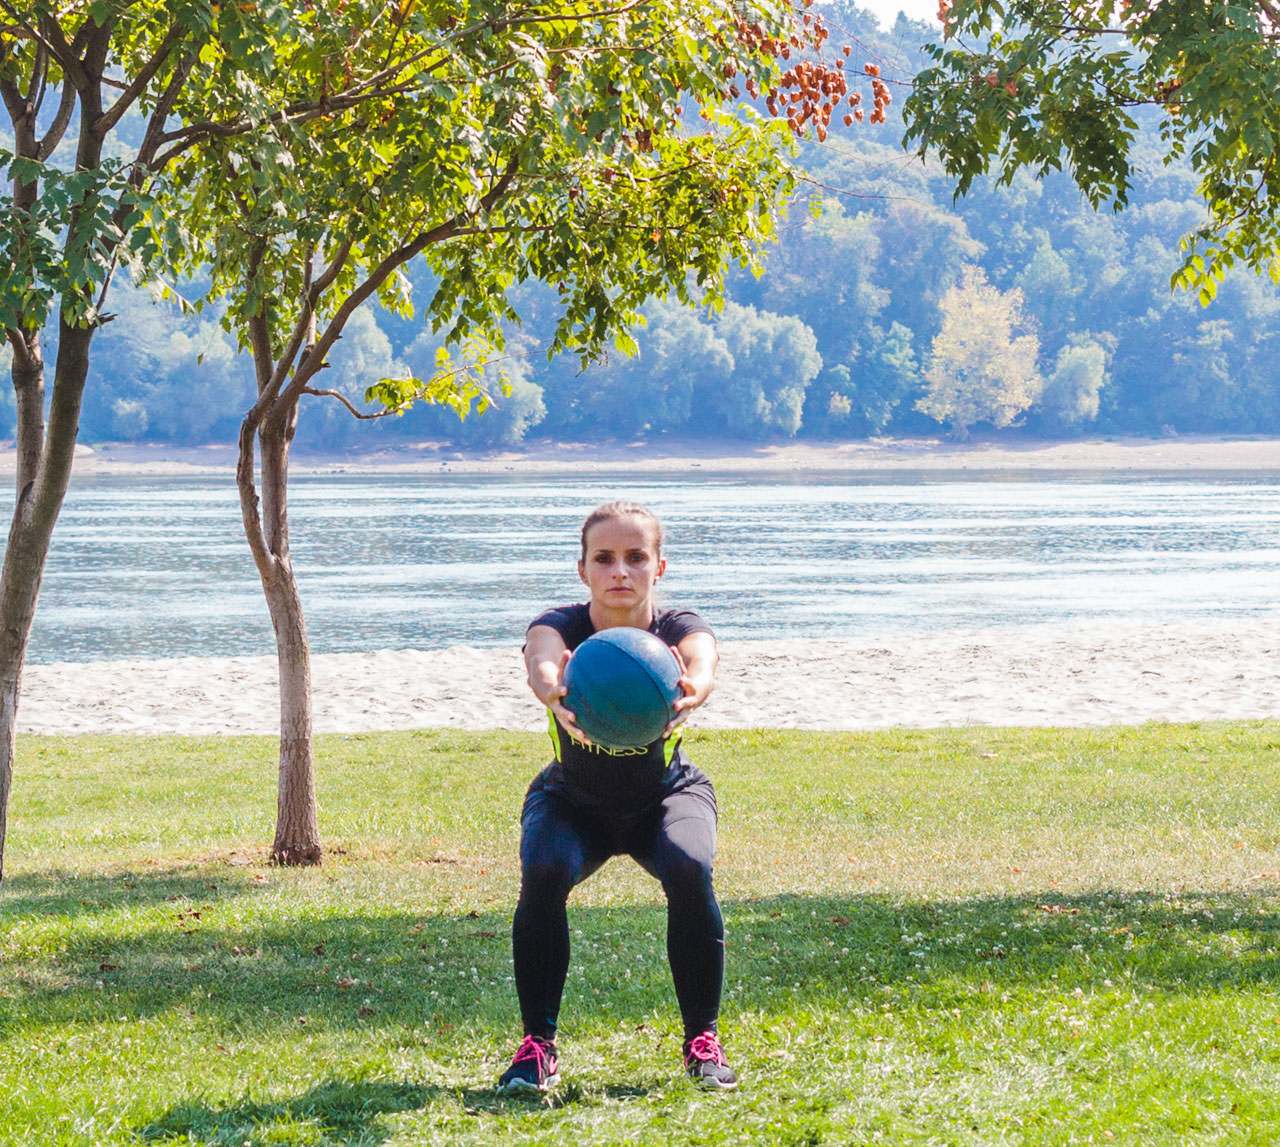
(364, 415)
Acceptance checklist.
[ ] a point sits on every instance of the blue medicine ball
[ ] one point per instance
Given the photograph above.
(623, 685)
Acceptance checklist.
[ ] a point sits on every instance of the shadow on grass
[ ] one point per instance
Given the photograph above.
(341, 1112)
(336, 1112)
(431, 988)
(256, 973)
(76, 894)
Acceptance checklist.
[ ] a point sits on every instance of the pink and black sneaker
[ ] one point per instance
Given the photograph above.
(705, 1063)
(533, 1068)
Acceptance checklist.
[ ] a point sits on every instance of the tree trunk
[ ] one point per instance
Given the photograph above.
(43, 475)
(297, 839)
(19, 588)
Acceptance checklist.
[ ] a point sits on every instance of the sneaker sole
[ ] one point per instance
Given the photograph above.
(704, 1084)
(524, 1086)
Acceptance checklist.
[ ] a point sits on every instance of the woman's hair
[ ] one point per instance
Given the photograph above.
(611, 510)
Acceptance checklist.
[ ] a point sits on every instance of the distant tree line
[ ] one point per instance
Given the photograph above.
(896, 310)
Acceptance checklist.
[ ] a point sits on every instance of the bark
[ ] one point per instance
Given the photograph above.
(20, 577)
(45, 448)
(43, 474)
(297, 838)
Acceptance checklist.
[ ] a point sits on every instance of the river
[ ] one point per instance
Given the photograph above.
(150, 567)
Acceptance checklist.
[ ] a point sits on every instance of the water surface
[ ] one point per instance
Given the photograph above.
(157, 566)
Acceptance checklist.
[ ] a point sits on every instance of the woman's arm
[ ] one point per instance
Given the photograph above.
(698, 659)
(545, 656)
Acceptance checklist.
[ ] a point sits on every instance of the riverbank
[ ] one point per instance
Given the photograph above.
(1192, 453)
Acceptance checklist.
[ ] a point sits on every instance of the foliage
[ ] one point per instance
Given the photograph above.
(974, 927)
(888, 246)
(1070, 396)
(774, 360)
(651, 391)
(980, 369)
(503, 147)
(180, 377)
(1027, 85)
(72, 224)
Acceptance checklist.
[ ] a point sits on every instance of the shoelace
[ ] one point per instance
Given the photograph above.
(531, 1049)
(706, 1046)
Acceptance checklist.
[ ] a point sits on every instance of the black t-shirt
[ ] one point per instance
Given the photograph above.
(617, 781)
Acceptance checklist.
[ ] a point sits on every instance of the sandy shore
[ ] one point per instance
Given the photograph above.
(1092, 676)
(673, 456)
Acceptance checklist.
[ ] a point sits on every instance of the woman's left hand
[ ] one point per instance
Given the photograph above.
(697, 658)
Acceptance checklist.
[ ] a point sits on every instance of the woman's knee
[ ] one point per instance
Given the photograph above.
(684, 874)
(546, 876)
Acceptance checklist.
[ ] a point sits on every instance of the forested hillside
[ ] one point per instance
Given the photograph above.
(895, 310)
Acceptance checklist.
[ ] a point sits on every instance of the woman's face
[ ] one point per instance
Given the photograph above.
(621, 563)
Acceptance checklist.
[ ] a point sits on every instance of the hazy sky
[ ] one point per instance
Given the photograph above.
(886, 11)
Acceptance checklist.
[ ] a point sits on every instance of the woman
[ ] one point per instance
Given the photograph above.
(592, 803)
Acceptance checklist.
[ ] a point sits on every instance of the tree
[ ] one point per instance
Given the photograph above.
(89, 89)
(775, 357)
(652, 392)
(1070, 396)
(550, 142)
(1022, 84)
(979, 369)
(160, 375)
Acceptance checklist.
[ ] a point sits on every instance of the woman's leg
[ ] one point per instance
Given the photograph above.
(678, 846)
(557, 851)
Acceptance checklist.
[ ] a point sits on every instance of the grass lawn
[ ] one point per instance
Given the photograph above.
(979, 936)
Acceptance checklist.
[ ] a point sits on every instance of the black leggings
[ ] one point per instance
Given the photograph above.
(561, 845)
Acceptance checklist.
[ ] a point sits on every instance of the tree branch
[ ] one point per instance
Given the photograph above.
(39, 76)
(368, 88)
(67, 55)
(164, 105)
(21, 26)
(249, 512)
(259, 340)
(14, 104)
(382, 272)
(58, 127)
(146, 74)
(342, 398)
(331, 272)
(188, 137)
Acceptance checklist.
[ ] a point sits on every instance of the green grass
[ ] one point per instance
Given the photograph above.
(955, 937)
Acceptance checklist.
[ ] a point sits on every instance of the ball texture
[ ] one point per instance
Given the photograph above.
(623, 685)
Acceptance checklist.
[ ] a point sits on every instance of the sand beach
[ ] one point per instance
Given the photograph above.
(1091, 676)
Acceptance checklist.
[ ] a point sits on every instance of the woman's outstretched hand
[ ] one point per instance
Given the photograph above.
(696, 687)
(554, 700)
